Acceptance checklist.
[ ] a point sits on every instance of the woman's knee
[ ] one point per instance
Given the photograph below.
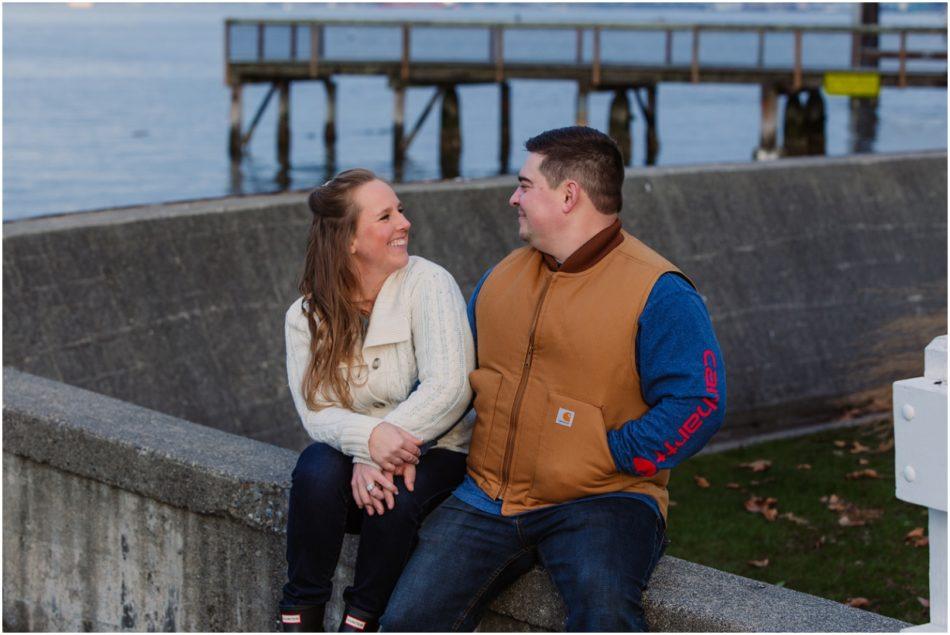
(321, 467)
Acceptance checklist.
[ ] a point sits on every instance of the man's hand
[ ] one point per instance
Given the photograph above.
(369, 498)
(390, 447)
(408, 472)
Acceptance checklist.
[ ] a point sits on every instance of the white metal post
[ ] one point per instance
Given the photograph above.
(920, 456)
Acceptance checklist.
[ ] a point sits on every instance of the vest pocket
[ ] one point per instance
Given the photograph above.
(573, 458)
(485, 384)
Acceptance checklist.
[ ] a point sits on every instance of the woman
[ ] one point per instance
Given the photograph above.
(378, 355)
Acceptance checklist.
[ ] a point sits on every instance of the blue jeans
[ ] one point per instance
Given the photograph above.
(322, 510)
(599, 553)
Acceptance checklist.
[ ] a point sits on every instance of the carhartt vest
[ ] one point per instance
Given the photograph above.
(557, 370)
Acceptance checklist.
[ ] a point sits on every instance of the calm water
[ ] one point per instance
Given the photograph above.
(116, 104)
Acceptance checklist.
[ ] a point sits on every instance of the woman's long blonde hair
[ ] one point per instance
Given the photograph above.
(330, 286)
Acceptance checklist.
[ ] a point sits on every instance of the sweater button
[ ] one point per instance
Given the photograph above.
(379, 404)
(375, 363)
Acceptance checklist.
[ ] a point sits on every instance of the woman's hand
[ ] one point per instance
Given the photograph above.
(369, 498)
(390, 447)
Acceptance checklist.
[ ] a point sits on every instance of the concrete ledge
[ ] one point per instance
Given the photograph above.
(103, 488)
(157, 456)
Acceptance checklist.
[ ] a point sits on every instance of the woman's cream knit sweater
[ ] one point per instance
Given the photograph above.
(418, 331)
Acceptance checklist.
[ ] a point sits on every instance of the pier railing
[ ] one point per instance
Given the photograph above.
(907, 55)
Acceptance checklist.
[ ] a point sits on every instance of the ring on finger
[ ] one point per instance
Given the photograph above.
(371, 487)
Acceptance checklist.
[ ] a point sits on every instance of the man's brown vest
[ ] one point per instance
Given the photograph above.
(557, 370)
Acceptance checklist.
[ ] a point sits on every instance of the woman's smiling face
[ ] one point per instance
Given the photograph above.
(380, 244)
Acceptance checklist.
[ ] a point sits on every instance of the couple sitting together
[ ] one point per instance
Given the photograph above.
(538, 426)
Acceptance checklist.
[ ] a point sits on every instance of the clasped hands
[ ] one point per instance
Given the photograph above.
(397, 453)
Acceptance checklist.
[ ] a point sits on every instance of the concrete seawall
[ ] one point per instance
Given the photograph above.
(120, 518)
(824, 278)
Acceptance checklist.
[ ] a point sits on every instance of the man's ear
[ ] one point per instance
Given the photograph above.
(571, 196)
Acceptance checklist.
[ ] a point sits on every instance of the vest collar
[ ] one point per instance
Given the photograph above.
(590, 253)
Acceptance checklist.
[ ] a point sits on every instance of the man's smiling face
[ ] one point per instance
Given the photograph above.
(540, 208)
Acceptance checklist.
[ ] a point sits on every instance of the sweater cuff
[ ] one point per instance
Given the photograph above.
(354, 438)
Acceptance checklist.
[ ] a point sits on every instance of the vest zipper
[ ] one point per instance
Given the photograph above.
(519, 394)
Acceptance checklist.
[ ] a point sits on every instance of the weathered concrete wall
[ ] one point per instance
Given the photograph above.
(824, 278)
(121, 518)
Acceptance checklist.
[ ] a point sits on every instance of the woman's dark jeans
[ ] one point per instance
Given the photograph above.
(322, 510)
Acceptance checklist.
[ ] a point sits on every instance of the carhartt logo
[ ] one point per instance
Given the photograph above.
(565, 417)
(355, 623)
(290, 618)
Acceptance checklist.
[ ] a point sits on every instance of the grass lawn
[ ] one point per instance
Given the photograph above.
(817, 550)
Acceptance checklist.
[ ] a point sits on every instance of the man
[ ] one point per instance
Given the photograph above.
(598, 371)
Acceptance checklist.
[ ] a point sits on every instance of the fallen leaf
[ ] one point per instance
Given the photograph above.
(858, 448)
(701, 482)
(850, 515)
(845, 521)
(764, 506)
(733, 486)
(916, 537)
(866, 473)
(840, 444)
(863, 461)
(835, 504)
(798, 520)
(759, 465)
(820, 542)
(885, 446)
(857, 602)
(759, 564)
(924, 602)
(803, 466)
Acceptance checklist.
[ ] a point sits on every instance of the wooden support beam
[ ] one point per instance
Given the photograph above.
(450, 134)
(797, 71)
(283, 124)
(648, 110)
(499, 53)
(227, 53)
(694, 62)
(257, 116)
(668, 57)
(234, 144)
(902, 69)
(315, 33)
(595, 73)
(404, 66)
(293, 41)
(504, 147)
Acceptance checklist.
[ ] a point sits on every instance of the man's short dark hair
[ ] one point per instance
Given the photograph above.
(587, 156)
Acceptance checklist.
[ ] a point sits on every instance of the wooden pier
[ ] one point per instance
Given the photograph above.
(279, 52)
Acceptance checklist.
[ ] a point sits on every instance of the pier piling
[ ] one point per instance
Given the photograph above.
(504, 145)
(795, 142)
(399, 117)
(815, 122)
(234, 144)
(450, 134)
(283, 124)
(619, 126)
(768, 127)
(583, 93)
